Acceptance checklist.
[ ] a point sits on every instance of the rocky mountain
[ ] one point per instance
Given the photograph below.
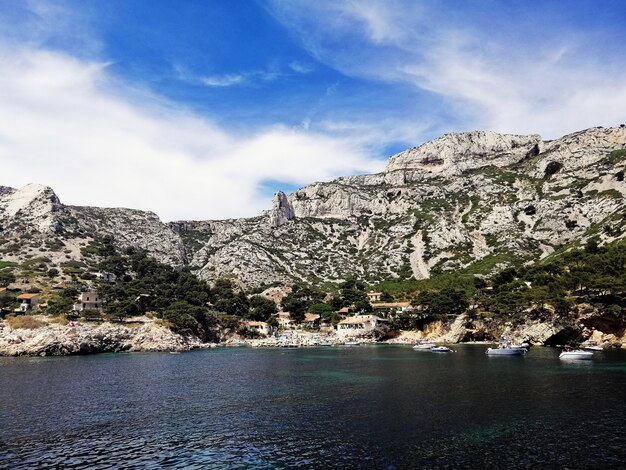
(470, 201)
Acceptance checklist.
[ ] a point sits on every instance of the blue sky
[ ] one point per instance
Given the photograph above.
(202, 109)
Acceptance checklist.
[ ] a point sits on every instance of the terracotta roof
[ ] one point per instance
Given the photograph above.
(311, 316)
(256, 323)
(3, 289)
(374, 293)
(344, 310)
(27, 296)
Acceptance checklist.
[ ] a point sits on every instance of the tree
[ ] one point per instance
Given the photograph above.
(52, 273)
(261, 308)
(121, 309)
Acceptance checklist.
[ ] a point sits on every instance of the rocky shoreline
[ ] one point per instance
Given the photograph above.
(91, 338)
(55, 337)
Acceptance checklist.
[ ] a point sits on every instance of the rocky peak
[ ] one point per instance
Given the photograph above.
(282, 210)
(454, 153)
(33, 205)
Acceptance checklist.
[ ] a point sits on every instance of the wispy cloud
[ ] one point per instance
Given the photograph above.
(505, 75)
(222, 80)
(301, 67)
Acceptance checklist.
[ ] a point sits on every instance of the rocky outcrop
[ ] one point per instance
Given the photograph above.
(89, 338)
(282, 210)
(452, 154)
(33, 207)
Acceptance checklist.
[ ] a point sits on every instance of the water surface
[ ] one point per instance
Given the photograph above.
(359, 407)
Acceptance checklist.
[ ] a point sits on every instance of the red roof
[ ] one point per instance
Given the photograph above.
(27, 296)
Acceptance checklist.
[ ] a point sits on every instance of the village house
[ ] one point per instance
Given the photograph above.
(259, 327)
(359, 324)
(88, 301)
(311, 319)
(374, 296)
(284, 320)
(27, 302)
(393, 307)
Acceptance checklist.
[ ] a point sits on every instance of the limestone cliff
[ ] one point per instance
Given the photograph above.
(465, 201)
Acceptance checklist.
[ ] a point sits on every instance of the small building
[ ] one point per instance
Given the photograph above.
(284, 320)
(374, 296)
(88, 301)
(311, 319)
(27, 301)
(395, 306)
(359, 324)
(258, 326)
(109, 278)
(3, 290)
(344, 311)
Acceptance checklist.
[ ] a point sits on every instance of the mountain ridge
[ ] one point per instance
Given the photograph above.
(449, 204)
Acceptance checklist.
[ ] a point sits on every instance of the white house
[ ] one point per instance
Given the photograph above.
(27, 301)
(374, 296)
(284, 320)
(359, 324)
(88, 301)
(258, 326)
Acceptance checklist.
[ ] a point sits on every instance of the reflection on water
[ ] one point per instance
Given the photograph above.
(365, 407)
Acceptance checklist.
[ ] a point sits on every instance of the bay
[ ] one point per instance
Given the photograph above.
(333, 407)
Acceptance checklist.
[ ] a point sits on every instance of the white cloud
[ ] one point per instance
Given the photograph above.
(64, 122)
(301, 67)
(222, 80)
(511, 77)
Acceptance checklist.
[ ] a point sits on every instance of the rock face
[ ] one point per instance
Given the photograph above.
(88, 338)
(452, 154)
(467, 201)
(34, 206)
(282, 210)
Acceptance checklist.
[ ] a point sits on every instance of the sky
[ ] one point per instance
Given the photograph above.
(202, 109)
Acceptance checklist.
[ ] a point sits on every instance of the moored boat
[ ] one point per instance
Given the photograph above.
(506, 351)
(592, 346)
(576, 354)
(424, 346)
(352, 343)
(440, 349)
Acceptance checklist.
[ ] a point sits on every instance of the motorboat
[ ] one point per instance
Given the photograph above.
(424, 346)
(593, 346)
(352, 343)
(576, 354)
(506, 351)
(440, 349)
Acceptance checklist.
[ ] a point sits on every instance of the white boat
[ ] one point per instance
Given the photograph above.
(593, 346)
(576, 354)
(352, 343)
(424, 346)
(506, 351)
(440, 349)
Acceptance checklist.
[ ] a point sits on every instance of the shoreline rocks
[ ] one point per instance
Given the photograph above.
(91, 338)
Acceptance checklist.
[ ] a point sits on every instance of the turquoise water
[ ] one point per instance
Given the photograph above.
(365, 407)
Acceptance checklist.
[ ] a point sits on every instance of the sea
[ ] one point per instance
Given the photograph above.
(370, 407)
